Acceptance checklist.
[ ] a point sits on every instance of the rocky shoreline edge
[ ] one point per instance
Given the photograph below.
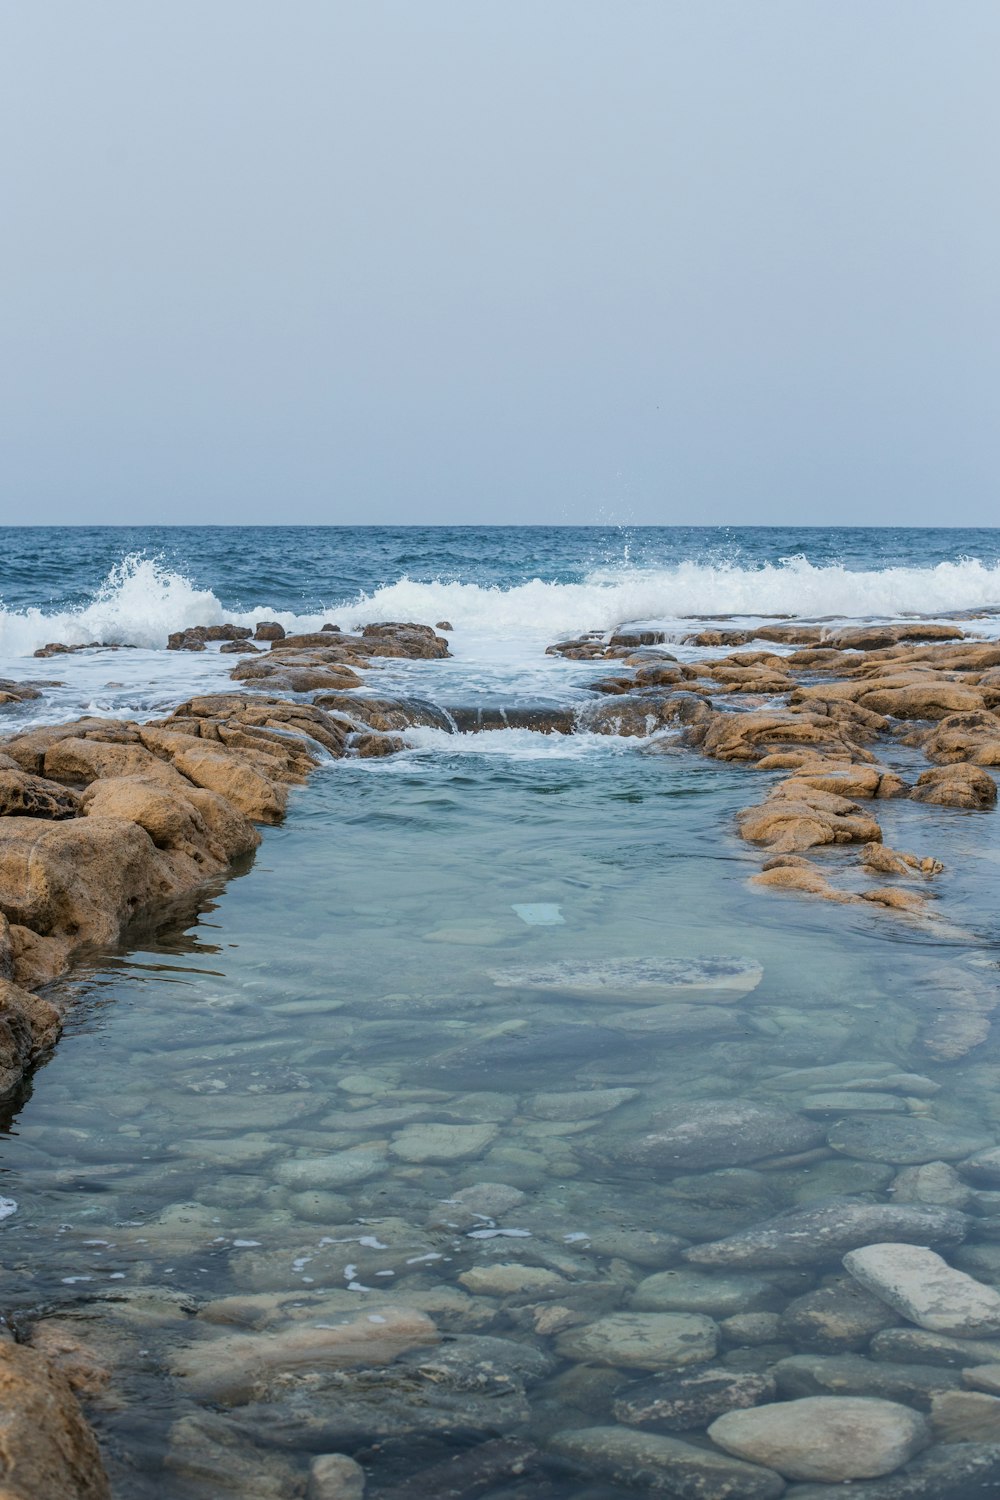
(102, 820)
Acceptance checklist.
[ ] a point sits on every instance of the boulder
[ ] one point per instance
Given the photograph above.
(47, 1451)
(894, 862)
(175, 822)
(654, 1464)
(29, 1027)
(958, 785)
(810, 1236)
(269, 630)
(706, 1133)
(691, 1398)
(797, 817)
(642, 1341)
(27, 796)
(905, 1142)
(827, 1438)
(923, 1288)
(929, 700)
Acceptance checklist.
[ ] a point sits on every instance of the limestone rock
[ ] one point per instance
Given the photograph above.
(958, 785)
(721, 1133)
(644, 1341)
(433, 1142)
(46, 1447)
(29, 1027)
(659, 1465)
(807, 1236)
(922, 1287)
(27, 796)
(904, 1142)
(690, 1398)
(828, 1438)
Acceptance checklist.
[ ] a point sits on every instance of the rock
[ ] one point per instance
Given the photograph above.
(699, 1291)
(176, 822)
(254, 794)
(919, 1346)
(432, 1142)
(721, 1133)
(803, 879)
(982, 1378)
(690, 1398)
(329, 1173)
(904, 1142)
(27, 796)
(512, 1279)
(929, 700)
(844, 1103)
(490, 1199)
(895, 862)
(210, 1450)
(466, 1475)
(829, 1438)
(807, 1236)
(787, 823)
(334, 1476)
(269, 630)
(639, 980)
(932, 1182)
(853, 1375)
(29, 1027)
(404, 639)
(958, 785)
(661, 1465)
(983, 1167)
(750, 1329)
(585, 1104)
(944, 1472)
(643, 1341)
(840, 1315)
(46, 1448)
(922, 1287)
(238, 1368)
(965, 1417)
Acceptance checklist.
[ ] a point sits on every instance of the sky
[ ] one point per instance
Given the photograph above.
(462, 261)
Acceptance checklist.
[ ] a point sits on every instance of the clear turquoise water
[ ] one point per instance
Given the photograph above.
(343, 987)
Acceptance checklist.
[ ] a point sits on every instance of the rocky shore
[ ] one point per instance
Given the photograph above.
(806, 1305)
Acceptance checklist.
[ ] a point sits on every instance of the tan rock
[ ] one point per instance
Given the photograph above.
(959, 785)
(47, 1451)
(25, 795)
(29, 1026)
(85, 760)
(933, 700)
(795, 817)
(971, 737)
(896, 899)
(175, 821)
(803, 879)
(895, 862)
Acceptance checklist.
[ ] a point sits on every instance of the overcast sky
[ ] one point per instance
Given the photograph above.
(735, 261)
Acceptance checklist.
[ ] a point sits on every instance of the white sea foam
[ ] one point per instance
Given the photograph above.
(142, 601)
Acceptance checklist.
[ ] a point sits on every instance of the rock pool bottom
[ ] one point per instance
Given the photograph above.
(341, 1168)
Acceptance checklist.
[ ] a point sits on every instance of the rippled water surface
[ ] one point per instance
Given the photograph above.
(239, 1133)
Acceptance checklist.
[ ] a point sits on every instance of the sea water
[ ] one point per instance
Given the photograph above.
(352, 987)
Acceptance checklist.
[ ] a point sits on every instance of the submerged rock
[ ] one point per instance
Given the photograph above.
(830, 1438)
(633, 980)
(807, 1236)
(720, 1133)
(925, 1289)
(667, 1466)
(644, 1341)
(905, 1142)
(944, 1472)
(690, 1398)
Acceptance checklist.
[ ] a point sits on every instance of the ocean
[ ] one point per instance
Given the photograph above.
(278, 1106)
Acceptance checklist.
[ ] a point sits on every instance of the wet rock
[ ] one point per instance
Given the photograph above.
(269, 630)
(490, 1198)
(208, 1450)
(238, 648)
(965, 1417)
(853, 1375)
(684, 1290)
(193, 638)
(750, 1329)
(46, 1447)
(664, 1465)
(982, 1378)
(922, 1287)
(29, 1027)
(903, 1142)
(720, 1132)
(581, 1105)
(840, 1315)
(919, 1346)
(513, 1280)
(956, 786)
(932, 1182)
(238, 1368)
(330, 1173)
(807, 1236)
(895, 862)
(633, 715)
(690, 1398)
(800, 818)
(404, 639)
(926, 700)
(27, 796)
(640, 1247)
(432, 1142)
(335, 1476)
(983, 1167)
(829, 1438)
(486, 1466)
(944, 1472)
(639, 980)
(644, 1341)
(844, 1103)
(802, 879)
